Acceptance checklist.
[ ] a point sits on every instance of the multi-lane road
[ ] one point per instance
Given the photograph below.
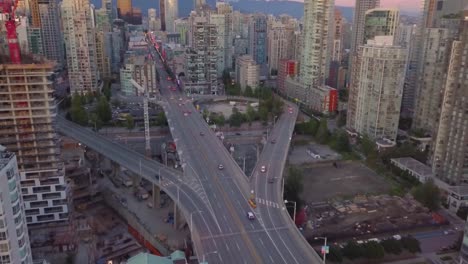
(213, 200)
(272, 237)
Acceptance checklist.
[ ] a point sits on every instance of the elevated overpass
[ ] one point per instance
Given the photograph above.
(215, 200)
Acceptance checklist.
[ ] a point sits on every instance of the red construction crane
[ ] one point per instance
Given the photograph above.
(8, 7)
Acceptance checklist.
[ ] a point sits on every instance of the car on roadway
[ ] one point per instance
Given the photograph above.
(180, 104)
(250, 216)
(173, 88)
(220, 166)
(273, 141)
(169, 78)
(263, 169)
(202, 134)
(180, 98)
(271, 180)
(185, 114)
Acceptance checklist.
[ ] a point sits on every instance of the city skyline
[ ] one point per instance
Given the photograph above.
(400, 4)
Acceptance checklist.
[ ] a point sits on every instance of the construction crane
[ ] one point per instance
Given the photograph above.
(8, 8)
(145, 114)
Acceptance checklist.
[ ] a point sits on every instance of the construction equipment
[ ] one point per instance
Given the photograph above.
(8, 8)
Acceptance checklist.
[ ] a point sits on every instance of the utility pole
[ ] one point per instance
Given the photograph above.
(145, 113)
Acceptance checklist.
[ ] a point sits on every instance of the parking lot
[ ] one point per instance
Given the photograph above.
(324, 182)
(311, 153)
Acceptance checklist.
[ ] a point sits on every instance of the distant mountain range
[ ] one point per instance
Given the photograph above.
(291, 8)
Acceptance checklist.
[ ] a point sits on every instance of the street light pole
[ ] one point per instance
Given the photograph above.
(324, 247)
(191, 219)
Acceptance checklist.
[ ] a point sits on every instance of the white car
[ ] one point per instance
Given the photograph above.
(263, 169)
(220, 166)
(250, 216)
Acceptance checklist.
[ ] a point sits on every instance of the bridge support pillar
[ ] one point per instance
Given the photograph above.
(156, 196)
(115, 168)
(179, 220)
(136, 180)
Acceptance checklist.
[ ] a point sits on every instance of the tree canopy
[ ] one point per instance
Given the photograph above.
(103, 110)
(427, 194)
(77, 112)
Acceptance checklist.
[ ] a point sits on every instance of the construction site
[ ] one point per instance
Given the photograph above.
(368, 216)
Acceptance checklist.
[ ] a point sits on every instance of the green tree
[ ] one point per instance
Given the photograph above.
(343, 95)
(233, 89)
(322, 132)
(368, 147)
(340, 142)
(236, 118)
(373, 250)
(263, 113)
(250, 114)
(226, 77)
(221, 120)
(106, 90)
(411, 244)
(427, 194)
(335, 254)
(129, 122)
(293, 188)
(116, 103)
(352, 250)
(95, 122)
(161, 119)
(341, 119)
(77, 112)
(392, 246)
(103, 110)
(205, 113)
(248, 92)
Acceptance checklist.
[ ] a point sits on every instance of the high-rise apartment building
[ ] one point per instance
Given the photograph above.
(378, 22)
(313, 63)
(378, 87)
(449, 157)
(336, 50)
(225, 9)
(258, 38)
(102, 25)
(247, 72)
(48, 21)
(154, 23)
(169, 10)
(80, 43)
(219, 20)
(279, 39)
(27, 116)
(359, 18)
(14, 239)
(357, 31)
(435, 55)
(201, 67)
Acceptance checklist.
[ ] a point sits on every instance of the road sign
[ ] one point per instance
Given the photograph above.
(325, 249)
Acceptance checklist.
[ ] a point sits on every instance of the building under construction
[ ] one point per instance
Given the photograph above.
(27, 114)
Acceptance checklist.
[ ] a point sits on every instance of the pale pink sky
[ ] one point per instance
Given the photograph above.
(410, 5)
